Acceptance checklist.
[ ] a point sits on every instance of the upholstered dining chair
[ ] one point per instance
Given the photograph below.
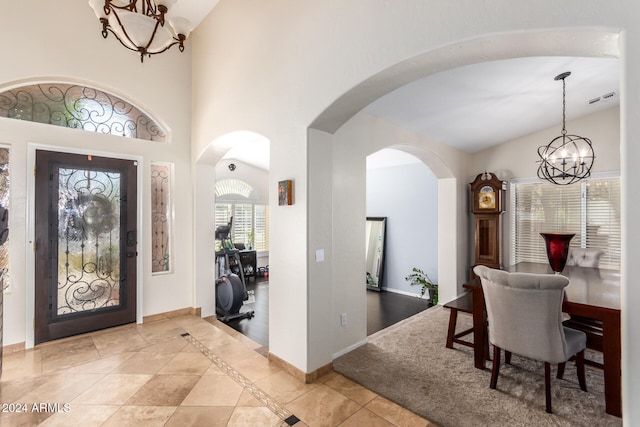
(525, 318)
(584, 257)
(590, 258)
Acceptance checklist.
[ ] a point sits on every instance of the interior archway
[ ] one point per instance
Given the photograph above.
(338, 118)
(249, 153)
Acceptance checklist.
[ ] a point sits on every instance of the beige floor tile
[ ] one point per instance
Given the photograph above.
(113, 389)
(164, 390)
(149, 375)
(395, 413)
(144, 363)
(81, 415)
(127, 339)
(255, 367)
(365, 417)
(214, 416)
(323, 406)
(247, 399)
(15, 390)
(62, 388)
(175, 345)
(283, 387)
(21, 364)
(348, 388)
(163, 330)
(29, 418)
(103, 365)
(140, 416)
(214, 390)
(254, 417)
(187, 364)
(69, 352)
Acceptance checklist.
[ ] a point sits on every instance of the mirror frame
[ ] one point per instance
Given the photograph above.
(383, 220)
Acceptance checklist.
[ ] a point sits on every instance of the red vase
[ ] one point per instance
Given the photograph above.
(557, 245)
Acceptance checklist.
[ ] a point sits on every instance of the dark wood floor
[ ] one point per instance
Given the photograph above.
(383, 310)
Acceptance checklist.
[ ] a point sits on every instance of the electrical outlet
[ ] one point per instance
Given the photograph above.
(343, 319)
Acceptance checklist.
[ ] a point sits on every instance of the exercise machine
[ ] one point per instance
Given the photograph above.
(231, 291)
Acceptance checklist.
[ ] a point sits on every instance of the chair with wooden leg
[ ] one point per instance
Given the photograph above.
(464, 304)
(525, 318)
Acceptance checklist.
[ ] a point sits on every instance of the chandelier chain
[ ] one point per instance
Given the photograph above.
(564, 106)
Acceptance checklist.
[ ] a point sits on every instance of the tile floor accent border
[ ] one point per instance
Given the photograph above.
(244, 382)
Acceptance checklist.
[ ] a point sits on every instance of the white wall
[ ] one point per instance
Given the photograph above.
(408, 196)
(71, 47)
(361, 136)
(292, 64)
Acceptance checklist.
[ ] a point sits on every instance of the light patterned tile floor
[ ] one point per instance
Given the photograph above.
(181, 371)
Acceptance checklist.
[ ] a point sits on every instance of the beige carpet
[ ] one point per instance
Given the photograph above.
(409, 364)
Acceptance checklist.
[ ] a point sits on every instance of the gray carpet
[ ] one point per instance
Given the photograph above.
(409, 364)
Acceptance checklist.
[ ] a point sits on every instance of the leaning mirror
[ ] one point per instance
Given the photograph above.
(375, 236)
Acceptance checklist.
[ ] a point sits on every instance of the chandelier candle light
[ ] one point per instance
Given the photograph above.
(567, 158)
(139, 25)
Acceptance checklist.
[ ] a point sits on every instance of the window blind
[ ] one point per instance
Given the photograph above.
(247, 218)
(261, 227)
(590, 209)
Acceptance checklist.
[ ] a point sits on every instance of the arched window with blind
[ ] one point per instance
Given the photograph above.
(590, 209)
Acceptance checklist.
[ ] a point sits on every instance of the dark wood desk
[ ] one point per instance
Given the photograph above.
(593, 293)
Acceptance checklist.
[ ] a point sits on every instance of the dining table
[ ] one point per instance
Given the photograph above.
(593, 293)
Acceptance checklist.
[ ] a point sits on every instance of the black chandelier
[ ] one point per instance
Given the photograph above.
(139, 25)
(567, 158)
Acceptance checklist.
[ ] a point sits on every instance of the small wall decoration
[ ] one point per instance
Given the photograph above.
(285, 192)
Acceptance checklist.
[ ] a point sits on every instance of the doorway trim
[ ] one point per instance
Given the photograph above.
(30, 226)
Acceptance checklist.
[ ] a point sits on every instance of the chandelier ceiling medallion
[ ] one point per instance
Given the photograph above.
(567, 158)
(139, 25)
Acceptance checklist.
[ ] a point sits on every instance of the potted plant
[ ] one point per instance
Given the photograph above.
(420, 278)
(250, 237)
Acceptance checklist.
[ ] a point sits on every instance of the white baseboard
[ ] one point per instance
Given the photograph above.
(349, 349)
(398, 291)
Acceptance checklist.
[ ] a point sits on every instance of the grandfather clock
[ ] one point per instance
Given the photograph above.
(487, 206)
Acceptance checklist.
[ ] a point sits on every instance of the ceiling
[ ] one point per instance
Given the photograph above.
(476, 106)
(194, 10)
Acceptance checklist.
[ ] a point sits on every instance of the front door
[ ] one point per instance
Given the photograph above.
(85, 243)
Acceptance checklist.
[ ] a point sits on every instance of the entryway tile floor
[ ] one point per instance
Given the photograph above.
(181, 371)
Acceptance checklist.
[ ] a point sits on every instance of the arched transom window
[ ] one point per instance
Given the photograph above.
(233, 186)
(79, 107)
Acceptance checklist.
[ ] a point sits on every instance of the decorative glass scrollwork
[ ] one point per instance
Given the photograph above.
(88, 240)
(79, 107)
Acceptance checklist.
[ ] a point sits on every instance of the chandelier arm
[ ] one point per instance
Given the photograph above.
(147, 8)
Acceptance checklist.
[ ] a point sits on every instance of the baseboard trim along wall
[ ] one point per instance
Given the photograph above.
(307, 378)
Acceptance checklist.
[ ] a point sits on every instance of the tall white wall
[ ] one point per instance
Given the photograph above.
(292, 64)
(70, 47)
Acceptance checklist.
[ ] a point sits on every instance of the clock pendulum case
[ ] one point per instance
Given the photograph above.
(487, 206)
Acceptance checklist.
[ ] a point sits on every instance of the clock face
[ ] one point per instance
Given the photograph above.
(486, 198)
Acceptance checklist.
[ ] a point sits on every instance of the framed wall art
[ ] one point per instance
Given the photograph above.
(285, 192)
